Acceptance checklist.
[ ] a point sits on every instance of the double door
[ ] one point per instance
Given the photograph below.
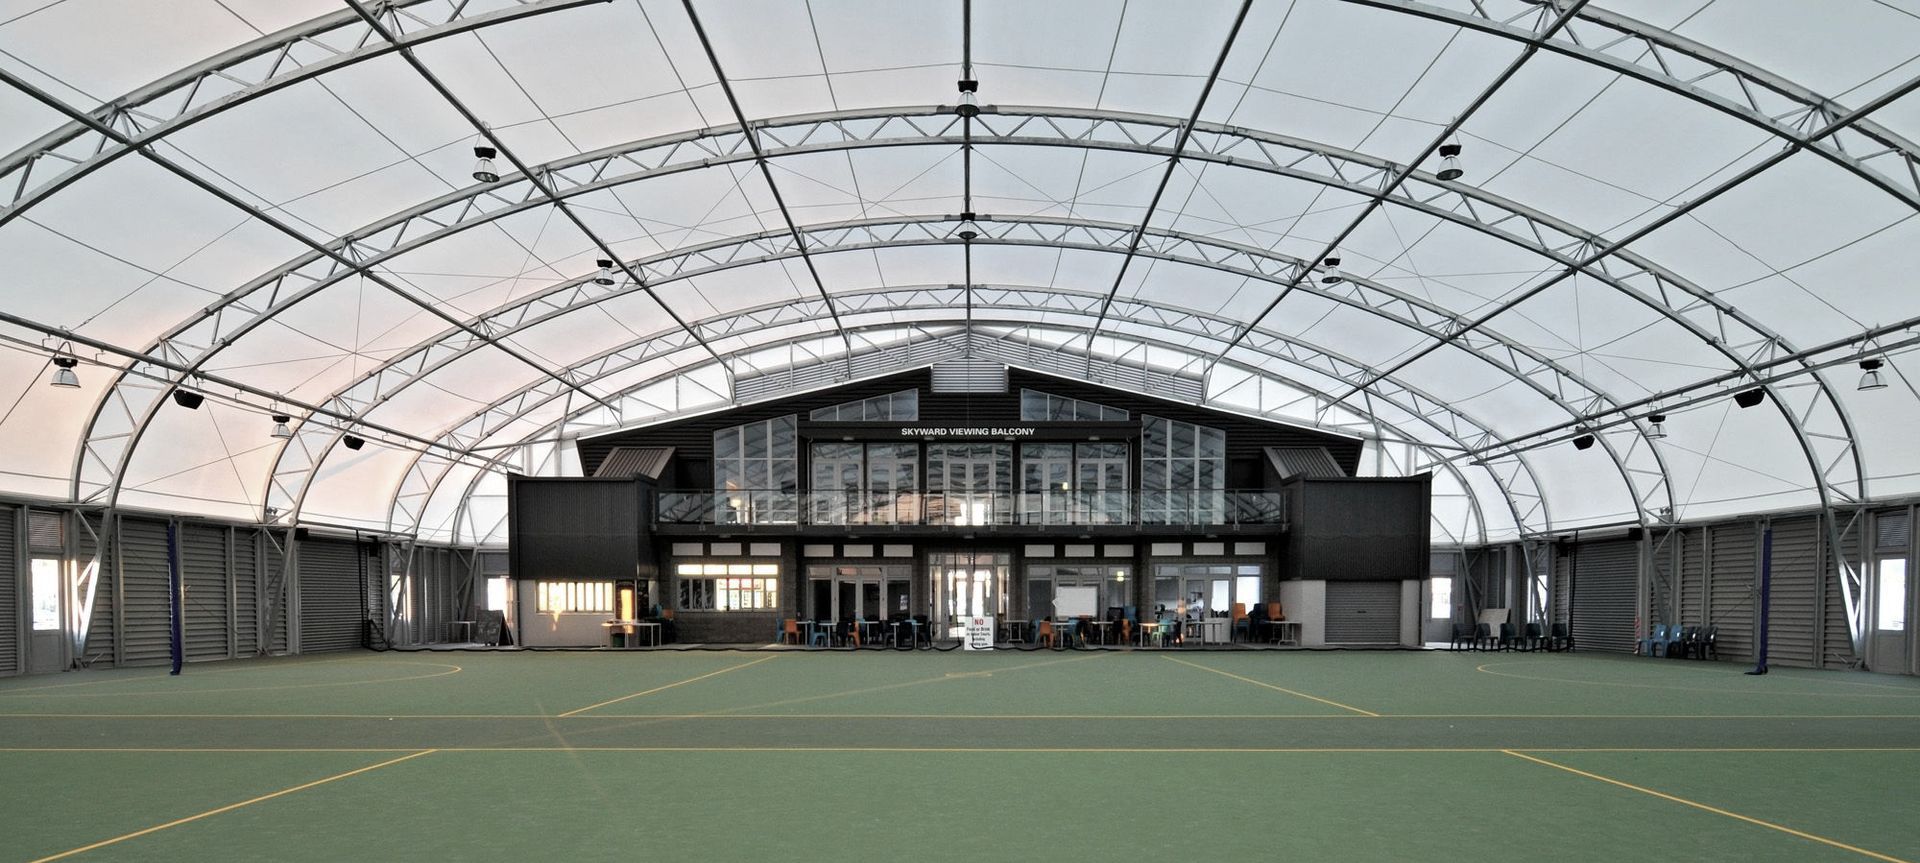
(967, 584)
(970, 484)
(859, 592)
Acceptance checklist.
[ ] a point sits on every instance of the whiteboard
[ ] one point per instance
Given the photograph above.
(1075, 601)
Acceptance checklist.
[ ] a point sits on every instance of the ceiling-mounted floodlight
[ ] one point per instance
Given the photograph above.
(605, 276)
(1330, 271)
(280, 429)
(483, 164)
(968, 230)
(353, 442)
(1584, 441)
(1656, 425)
(1749, 398)
(188, 399)
(969, 103)
(1450, 161)
(1870, 379)
(63, 374)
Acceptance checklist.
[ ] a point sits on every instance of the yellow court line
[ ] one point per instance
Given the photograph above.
(1273, 687)
(1715, 810)
(668, 686)
(228, 808)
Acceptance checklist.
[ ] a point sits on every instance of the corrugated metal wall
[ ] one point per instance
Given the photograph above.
(102, 644)
(330, 612)
(1795, 594)
(1693, 579)
(1363, 612)
(206, 606)
(1606, 584)
(12, 623)
(277, 591)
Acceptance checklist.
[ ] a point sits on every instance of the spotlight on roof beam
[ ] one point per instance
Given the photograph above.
(188, 399)
(1330, 271)
(969, 103)
(1749, 398)
(353, 442)
(483, 164)
(1450, 162)
(1584, 441)
(280, 429)
(1656, 425)
(63, 375)
(1870, 379)
(605, 276)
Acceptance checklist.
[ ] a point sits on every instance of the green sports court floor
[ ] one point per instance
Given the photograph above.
(795, 755)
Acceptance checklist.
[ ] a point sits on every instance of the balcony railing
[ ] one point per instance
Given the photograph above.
(1135, 507)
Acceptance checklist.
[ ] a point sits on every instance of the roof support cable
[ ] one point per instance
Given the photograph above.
(760, 158)
(1173, 162)
(538, 180)
(1399, 176)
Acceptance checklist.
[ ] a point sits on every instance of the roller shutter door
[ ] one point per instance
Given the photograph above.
(1363, 612)
(205, 609)
(144, 618)
(1606, 581)
(1795, 592)
(329, 595)
(1730, 601)
(10, 623)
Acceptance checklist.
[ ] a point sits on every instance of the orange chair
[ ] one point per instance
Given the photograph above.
(1240, 622)
(1275, 612)
(1046, 634)
(790, 633)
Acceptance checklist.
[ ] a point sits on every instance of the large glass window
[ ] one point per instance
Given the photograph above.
(903, 405)
(969, 483)
(1183, 472)
(575, 596)
(729, 586)
(1036, 406)
(1108, 582)
(1205, 588)
(855, 592)
(46, 594)
(864, 483)
(1440, 599)
(756, 472)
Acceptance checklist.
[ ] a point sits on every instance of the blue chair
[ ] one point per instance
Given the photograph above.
(1655, 640)
(821, 634)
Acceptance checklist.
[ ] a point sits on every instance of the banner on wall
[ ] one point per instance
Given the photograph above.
(979, 633)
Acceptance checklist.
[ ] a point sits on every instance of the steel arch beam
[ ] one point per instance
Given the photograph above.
(1275, 154)
(1699, 73)
(891, 354)
(1405, 310)
(228, 80)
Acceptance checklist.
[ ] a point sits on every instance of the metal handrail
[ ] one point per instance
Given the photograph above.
(1077, 508)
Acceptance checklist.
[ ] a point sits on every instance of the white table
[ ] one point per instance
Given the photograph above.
(632, 627)
(1213, 630)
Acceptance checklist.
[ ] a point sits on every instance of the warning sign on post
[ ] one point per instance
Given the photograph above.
(979, 633)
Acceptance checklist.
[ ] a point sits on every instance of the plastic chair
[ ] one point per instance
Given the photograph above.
(790, 631)
(1560, 638)
(1654, 640)
(1482, 637)
(1509, 637)
(1462, 637)
(1046, 636)
(1241, 622)
(822, 634)
(1536, 636)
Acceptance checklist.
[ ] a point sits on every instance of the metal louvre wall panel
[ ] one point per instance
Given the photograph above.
(1363, 612)
(101, 631)
(1794, 606)
(1562, 584)
(1693, 578)
(1734, 564)
(203, 570)
(275, 558)
(10, 623)
(329, 595)
(246, 592)
(1836, 639)
(144, 615)
(1606, 584)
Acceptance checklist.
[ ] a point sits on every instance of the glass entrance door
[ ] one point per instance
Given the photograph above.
(965, 585)
(1046, 483)
(835, 492)
(858, 592)
(1101, 483)
(970, 483)
(1892, 597)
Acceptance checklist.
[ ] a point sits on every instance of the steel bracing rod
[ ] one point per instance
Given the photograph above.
(1399, 175)
(760, 159)
(1521, 520)
(1246, 261)
(140, 358)
(1607, 249)
(1703, 75)
(966, 146)
(1678, 398)
(1420, 405)
(1173, 163)
(253, 212)
(226, 81)
(539, 182)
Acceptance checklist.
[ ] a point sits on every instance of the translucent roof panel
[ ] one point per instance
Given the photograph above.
(1655, 208)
